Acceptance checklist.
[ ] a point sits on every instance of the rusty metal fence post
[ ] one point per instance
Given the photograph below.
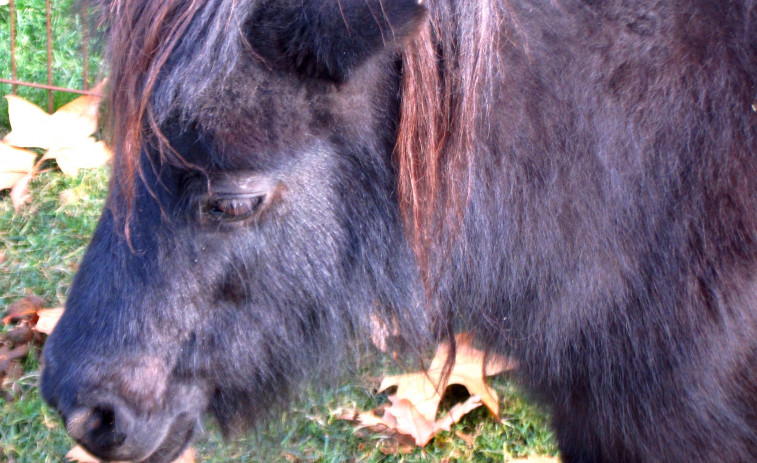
(12, 22)
(14, 80)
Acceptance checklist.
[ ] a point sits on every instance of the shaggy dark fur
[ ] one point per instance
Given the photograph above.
(574, 181)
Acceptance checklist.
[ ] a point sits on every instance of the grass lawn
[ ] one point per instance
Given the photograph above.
(42, 246)
(39, 252)
(31, 56)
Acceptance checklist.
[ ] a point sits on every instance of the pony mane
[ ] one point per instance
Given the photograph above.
(447, 76)
(164, 54)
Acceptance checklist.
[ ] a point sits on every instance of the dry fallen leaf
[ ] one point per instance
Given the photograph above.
(24, 308)
(7, 354)
(88, 154)
(30, 312)
(48, 318)
(65, 134)
(11, 354)
(21, 334)
(10, 372)
(32, 127)
(401, 417)
(15, 163)
(408, 420)
(425, 389)
(30, 124)
(80, 455)
(413, 408)
(16, 341)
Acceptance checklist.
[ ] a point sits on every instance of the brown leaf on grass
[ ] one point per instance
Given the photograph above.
(30, 320)
(87, 154)
(21, 334)
(418, 389)
(16, 342)
(401, 417)
(29, 310)
(11, 372)
(458, 411)
(65, 134)
(396, 445)
(413, 408)
(48, 318)
(29, 124)
(32, 127)
(7, 354)
(471, 365)
(408, 420)
(15, 163)
(79, 455)
(23, 309)
(10, 368)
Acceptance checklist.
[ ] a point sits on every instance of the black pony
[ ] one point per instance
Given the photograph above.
(575, 181)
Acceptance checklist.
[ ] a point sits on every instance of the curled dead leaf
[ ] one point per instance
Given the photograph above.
(48, 318)
(401, 417)
(471, 365)
(30, 313)
(29, 124)
(419, 389)
(15, 164)
(413, 408)
(10, 366)
(65, 134)
(10, 372)
(86, 154)
(7, 354)
(21, 334)
(24, 308)
(80, 455)
(32, 127)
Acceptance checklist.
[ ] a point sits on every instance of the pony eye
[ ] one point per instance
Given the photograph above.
(233, 208)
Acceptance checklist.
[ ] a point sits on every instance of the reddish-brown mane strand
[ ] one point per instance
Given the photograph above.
(143, 35)
(446, 82)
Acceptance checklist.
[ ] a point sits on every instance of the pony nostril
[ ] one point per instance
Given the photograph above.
(99, 429)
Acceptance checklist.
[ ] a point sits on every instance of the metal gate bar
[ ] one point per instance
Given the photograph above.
(15, 82)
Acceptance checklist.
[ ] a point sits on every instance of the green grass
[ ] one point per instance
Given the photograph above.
(31, 55)
(42, 247)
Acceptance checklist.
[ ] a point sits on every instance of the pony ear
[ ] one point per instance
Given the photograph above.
(329, 38)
